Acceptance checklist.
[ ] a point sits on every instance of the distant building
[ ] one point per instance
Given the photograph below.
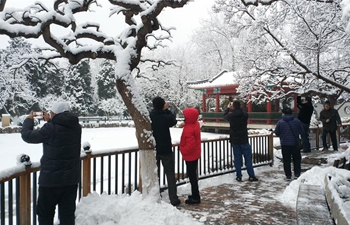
(216, 92)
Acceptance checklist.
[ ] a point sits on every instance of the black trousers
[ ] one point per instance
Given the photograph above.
(334, 140)
(64, 197)
(290, 153)
(168, 162)
(192, 175)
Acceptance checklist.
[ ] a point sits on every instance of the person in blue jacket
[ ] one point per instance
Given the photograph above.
(288, 130)
(60, 163)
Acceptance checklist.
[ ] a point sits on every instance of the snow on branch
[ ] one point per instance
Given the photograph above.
(38, 20)
(256, 2)
(269, 2)
(345, 4)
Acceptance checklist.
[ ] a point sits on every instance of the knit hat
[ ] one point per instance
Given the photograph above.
(158, 103)
(287, 110)
(327, 103)
(60, 107)
(236, 105)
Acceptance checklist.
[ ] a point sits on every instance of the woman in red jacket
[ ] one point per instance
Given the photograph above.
(190, 148)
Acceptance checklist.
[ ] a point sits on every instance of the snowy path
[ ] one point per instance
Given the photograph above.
(244, 203)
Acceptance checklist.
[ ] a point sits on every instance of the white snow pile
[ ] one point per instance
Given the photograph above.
(130, 210)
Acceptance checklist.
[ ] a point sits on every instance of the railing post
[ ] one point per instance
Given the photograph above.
(271, 148)
(24, 192)
(317, 138)
(86, 173)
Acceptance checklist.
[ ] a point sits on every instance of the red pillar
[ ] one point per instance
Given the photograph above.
(295, 108)
(217, 105)
(204, 103)
(268, 110)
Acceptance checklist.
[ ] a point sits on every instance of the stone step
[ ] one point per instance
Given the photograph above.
(312, 208)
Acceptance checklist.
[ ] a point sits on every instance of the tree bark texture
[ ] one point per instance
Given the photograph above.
(148, 170)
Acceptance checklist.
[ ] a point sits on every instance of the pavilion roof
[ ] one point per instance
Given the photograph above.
(223, 78)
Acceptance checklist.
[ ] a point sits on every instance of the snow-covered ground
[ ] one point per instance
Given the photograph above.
(131, 210)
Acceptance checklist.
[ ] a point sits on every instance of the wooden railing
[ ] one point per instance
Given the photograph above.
(254, 117)
(116, 172)
(316, 134)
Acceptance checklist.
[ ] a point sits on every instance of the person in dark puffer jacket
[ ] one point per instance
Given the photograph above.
(288, 130)
(331, 120)
(162, 119)
(60, 164)
(305, 113)
(190, 148)
(238, 119)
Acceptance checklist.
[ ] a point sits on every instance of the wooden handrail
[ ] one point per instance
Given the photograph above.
(25, 196)
(86, 174)
(29, 169)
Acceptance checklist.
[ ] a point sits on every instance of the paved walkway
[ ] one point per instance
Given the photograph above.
(249, 203)
(245, 203)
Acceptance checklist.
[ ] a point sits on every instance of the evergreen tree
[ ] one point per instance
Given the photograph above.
(18, 96)
(109, 103)
(78, 88)
(45, 78)
(106, 81)
(54, 81)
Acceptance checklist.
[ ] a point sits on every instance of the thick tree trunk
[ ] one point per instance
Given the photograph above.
(139, 114)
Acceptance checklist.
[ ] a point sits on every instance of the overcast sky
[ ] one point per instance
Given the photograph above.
(185, 19)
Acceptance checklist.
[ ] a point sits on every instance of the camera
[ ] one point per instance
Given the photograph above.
(38, 115)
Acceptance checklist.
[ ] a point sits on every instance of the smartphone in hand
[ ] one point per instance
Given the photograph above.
(38, 115)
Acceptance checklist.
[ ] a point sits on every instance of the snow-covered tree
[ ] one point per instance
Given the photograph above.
(111, 106)
(4, 86)
(106, 81)
(45, 77)
(297, 45)
(215, 42)
(345, 4)
(168, 79)
(124, 47)
(54, 81)
(77, 87)
(16, 71)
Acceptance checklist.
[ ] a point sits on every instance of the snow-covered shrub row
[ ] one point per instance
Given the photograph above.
(17, 129)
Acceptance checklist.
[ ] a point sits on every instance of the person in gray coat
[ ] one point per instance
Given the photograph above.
(60, 164)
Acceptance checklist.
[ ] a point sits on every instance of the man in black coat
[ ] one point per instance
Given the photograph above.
(162, 119)
(60, 164)
(238, 119)
(331, 120)
(305, 112)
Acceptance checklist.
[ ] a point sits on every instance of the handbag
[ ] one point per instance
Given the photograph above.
(297, 138)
